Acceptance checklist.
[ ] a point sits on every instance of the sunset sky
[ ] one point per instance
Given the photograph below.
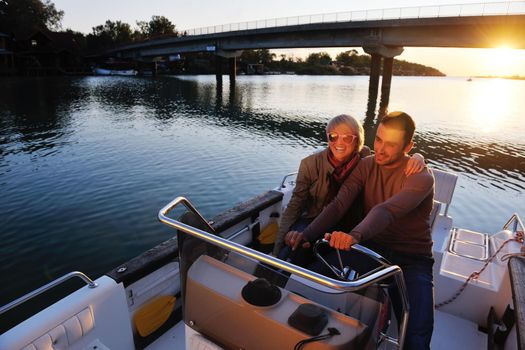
(82, 15)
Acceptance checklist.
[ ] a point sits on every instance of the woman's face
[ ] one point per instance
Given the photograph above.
(342, 141)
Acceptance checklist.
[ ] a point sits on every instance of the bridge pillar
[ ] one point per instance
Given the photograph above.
(388, 63)
(154, 68)
(218, 69)
(233, 69)
(373, 84)
(230, 55)
(387, 53)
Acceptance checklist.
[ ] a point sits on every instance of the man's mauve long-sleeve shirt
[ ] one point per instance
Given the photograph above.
(397, 207)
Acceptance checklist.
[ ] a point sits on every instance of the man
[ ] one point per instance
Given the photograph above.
(397, 221)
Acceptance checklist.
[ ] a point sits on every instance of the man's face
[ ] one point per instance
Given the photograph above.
(389, 146)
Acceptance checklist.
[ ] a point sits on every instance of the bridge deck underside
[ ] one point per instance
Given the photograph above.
(464, 32)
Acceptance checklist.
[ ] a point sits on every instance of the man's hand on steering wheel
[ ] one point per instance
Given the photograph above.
(340, 240)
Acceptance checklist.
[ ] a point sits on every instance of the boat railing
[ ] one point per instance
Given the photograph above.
(283, 183)
(516, 226)
(514, 222)
(343, 286)
(52, 284)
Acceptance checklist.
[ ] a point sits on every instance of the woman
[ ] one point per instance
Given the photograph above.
(321, 175)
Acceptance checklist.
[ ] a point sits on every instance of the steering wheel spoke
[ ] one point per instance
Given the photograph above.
(342, 272)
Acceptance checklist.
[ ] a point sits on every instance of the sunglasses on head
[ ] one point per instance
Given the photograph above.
(347, 138)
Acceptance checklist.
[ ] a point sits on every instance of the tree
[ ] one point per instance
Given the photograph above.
(346, 58)
(141, 32)
(158, 25)
(265, 57)
(117, 32)
(257, 56)
(320, 58)
(16, 15)
(78, 37)
(108, 35)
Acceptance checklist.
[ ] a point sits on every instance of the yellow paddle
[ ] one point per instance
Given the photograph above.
(153, 314)
(268, 235)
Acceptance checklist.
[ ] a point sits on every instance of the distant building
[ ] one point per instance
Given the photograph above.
(48, 53)
(7, 62)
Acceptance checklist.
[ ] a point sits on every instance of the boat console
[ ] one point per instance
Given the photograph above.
(215, 307)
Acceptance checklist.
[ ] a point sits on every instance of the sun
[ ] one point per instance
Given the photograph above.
(501, 61)
(490, 104)
(503, 55)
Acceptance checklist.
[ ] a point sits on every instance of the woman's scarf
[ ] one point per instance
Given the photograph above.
(339, 175)
(342, 169)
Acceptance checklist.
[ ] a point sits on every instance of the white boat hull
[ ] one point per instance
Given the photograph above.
(102, 71)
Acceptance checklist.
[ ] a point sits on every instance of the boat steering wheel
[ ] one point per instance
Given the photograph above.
(345, 272)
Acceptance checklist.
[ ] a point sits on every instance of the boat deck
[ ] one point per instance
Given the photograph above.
(172, 339)
(454, 333)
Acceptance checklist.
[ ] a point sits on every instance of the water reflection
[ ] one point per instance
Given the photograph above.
(237, 106)
(491, 103)
(500, 165)
(36, 116)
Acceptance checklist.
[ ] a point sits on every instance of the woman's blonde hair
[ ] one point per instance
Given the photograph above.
(351, 122)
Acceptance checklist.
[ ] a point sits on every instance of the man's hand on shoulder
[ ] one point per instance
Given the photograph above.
(415, 164)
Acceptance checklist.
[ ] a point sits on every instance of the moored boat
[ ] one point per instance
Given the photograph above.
(121, 72)
(202, 290)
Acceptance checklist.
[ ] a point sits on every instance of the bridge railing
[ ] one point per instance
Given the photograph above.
(462, 10)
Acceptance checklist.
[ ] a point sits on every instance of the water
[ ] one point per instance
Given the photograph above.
(86, 163)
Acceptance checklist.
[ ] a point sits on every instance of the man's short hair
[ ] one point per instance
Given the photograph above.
(400, 121)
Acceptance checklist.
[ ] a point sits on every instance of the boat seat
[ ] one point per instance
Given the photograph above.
(444, 186)
(436, 209)
(89, 318)
(440, 222)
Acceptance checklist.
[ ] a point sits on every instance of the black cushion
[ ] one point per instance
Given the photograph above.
(260, 292)
(308, 318)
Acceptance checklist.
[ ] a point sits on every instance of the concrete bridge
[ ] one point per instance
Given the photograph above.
(381, 33)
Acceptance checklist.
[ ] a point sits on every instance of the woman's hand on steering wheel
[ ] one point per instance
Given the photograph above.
(340, 240)
(295, 238)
